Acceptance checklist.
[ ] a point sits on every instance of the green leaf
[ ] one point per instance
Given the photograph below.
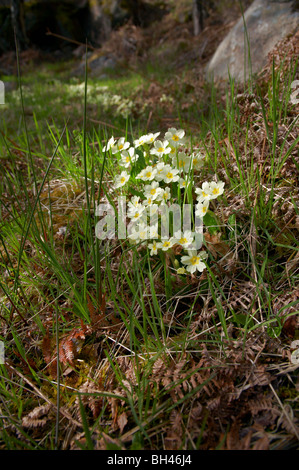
(211, 222)
(87, 433)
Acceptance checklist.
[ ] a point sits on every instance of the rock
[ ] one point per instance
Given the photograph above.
(96, 65)
(267, 23)
(10, 86)
(100, 64)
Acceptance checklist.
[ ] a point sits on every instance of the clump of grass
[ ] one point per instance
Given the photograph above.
(105, 345)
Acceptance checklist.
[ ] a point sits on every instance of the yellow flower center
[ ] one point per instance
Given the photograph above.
(161, 149)
(194, 260)
(169, 175)
(123, 180)
(166, 244)
(175, 137)
(204, 194)
(136, 215)
(148, 174)
(215, 191)
(183, 240)
(120, 146)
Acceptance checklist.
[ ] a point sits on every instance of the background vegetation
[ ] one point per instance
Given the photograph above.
(105, 346)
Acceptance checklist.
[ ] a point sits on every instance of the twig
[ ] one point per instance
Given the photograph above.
(107, 124)
(49, 33)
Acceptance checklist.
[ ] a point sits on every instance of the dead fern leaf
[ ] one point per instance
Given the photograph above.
(89, 399)
(262, 443)
(173, 439)
(71, 345)
(122, 421)
(38, 417)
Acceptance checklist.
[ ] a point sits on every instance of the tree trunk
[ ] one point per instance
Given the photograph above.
(197, 14)
(99, 24)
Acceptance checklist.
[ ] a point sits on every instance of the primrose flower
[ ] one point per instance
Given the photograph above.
(194, 261)
(153, 209)
(153, 231)
(160, 148)
(175, 137)
(128, 157)
(141, 141)
(152, 190)
(164, 245)
(170, 174)
(203, 193)
(184, 239)
(140, 234)
(143, 232)
(153, 247)
(147, 174)
(121, 179)
(183, 183)
(134, 202)
(159, 167)
(120, 145)
(149, 201)
(182, 162)
(197, 160)
(134, 213)
(202, 208)
(216, 189)
(152, 137)
(172, 152)
(166, 194)
(111, 143)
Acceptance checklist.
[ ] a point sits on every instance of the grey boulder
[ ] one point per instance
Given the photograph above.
(267, 22)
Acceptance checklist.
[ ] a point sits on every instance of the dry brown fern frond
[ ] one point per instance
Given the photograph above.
(173, 438)
(260, 404)
(88, 394)
(38, 417)
(70, 346)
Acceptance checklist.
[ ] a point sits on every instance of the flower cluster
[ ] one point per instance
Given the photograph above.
(164, 169)
(101, 96)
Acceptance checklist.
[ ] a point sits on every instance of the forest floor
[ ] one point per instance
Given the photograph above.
(107, 345)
